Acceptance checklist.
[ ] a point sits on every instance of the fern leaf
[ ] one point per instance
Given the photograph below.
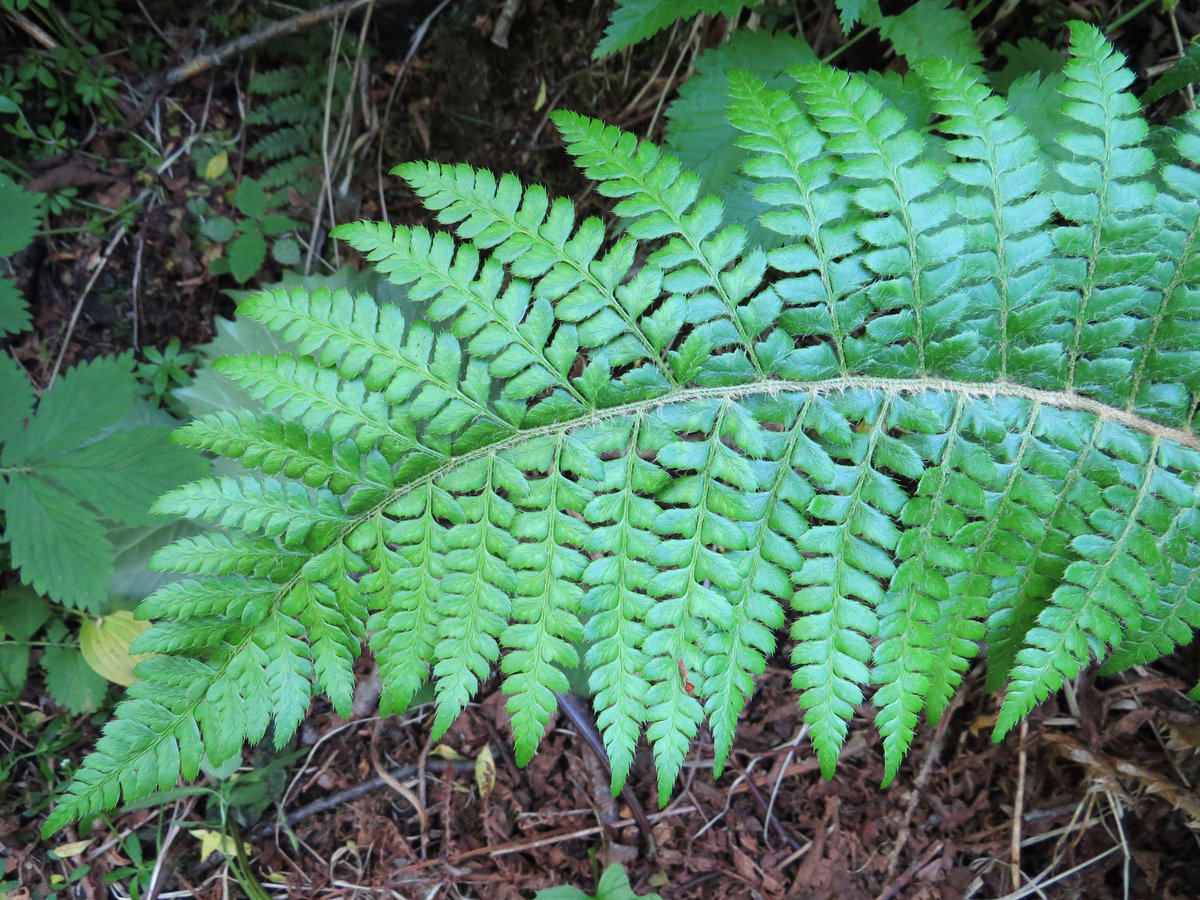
(277, 81)
(478, 585)
(622, 516)
(738, 652)
(1009, 242)
(535, 240)
(702, 136)
(1163, 376)
(363, 340)
(285, 511)
(274, 446)
(919, 592)
(825, 295)
(1103, 592)
(153, 738)
(1110, 200)
(216, 553)
(403, 588)
(247, 599)
(698, 261)
(548, 597)
(503, 326)
(955, 406)
(913, 249)
(635, 20)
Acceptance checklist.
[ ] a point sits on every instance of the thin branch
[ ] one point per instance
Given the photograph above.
(348, 795)
(239, 45)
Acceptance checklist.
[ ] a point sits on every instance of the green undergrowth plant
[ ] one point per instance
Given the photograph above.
(80, 466)
(613, 884)
(952, 409)
(290, 108)
(246, 240)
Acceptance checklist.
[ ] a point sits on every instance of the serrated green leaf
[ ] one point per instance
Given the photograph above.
(88, 398)
(14, 312)
(18, 399)
(251, 199)
(71, 682)
(59, 547)
(275, 224)
(1185, 71)
(123, 473)
(635, 20)
(22, 215)
(931, 29)
(246, 255)
(218, 228)
(286, 252)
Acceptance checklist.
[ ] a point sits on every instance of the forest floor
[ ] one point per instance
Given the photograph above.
(1093, 798)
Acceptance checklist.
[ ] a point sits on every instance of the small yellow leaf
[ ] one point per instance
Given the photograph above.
(485, 772)
(443, 752)
(104, 642)
(217, 166)
(216, 841)
(980, 723)
(66, 851)
(541, 97)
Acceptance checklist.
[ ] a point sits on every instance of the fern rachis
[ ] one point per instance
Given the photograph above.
(938, 415)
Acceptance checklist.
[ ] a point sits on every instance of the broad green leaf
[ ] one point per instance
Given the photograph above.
(22, 215)
(104, 643)
(14, 312)
(71, 682)
(18, 399)
(250, 198)
(1185, 71)
(246, 255)
(41, 521)
(218, 228)
(86, 399)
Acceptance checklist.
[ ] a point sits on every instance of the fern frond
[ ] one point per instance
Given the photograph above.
(954, 407)
(505, 325)
(217, 553)
(814, 213)
(1165, 366)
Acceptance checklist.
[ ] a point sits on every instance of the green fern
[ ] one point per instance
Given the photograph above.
(292, 109)
(950, 409)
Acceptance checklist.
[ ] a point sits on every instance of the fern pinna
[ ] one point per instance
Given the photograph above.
(956, 406)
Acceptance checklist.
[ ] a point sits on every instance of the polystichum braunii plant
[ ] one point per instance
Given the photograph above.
(956, 407)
